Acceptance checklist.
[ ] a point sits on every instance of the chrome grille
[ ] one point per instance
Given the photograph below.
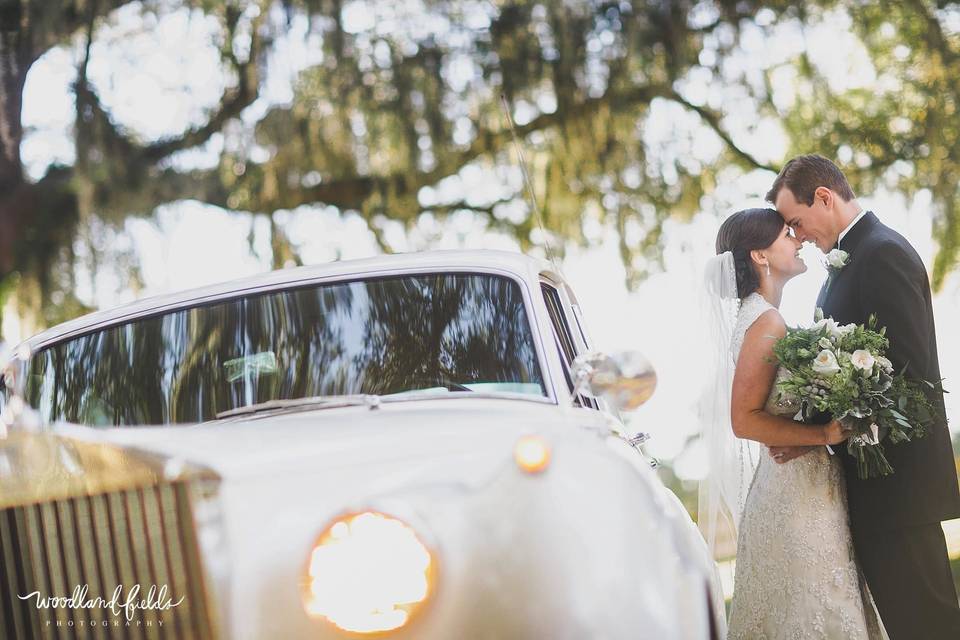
(139, 536)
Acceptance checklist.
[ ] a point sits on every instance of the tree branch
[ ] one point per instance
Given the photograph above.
(50, 23)
(934, 31)
(96, 129)
(210, 187)
(353, 192)
(712, 119)
(462, 205)
(233, 101)
(517, 230)
(13, 75)
(489, 141)
(349, 192)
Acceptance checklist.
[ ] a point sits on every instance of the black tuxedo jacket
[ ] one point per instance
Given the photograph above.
(885, 276)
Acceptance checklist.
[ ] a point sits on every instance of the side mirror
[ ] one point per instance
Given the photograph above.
(626, 379)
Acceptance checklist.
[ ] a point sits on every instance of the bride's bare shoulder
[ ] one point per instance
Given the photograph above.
(769, 324)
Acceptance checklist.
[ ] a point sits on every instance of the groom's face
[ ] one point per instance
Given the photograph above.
(810, 223)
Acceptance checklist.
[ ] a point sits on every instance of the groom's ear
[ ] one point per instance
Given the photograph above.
(825, 195)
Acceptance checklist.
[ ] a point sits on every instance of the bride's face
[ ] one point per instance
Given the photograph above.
(784, 255)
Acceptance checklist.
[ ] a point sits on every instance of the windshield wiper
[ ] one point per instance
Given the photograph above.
(322, 402)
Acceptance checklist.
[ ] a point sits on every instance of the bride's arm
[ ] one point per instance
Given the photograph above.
(752, 381)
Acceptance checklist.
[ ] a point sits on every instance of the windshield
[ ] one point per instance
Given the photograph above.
(466, 332)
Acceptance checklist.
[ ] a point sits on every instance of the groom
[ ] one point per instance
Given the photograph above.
(894, 520)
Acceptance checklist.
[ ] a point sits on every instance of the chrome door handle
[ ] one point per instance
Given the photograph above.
(638, 439)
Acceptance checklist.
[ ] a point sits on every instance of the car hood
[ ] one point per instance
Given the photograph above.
(446, 466)
(356, 437)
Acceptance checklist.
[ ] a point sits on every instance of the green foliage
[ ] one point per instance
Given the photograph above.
(630, 113)
(842, 371)
(901, 130)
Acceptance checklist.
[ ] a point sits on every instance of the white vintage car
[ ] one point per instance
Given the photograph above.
(413, 446)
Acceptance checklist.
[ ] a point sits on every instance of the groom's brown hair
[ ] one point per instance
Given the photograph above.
(803, 174)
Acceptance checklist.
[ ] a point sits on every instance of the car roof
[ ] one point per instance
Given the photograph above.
(489, 260)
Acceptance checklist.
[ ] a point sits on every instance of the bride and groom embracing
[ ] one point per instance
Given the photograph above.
(822, 553)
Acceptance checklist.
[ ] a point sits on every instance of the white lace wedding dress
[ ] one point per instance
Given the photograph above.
(796, 576)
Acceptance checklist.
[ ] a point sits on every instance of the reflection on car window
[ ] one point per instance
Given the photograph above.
(383, 336)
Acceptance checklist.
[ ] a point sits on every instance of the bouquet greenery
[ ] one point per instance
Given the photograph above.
(841, 370)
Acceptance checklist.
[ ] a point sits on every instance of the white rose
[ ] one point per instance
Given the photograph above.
(884, 363)
(826, 363)
(863, 360)
(828, 324)
(833, 330)
(845, 329)
(837, 258)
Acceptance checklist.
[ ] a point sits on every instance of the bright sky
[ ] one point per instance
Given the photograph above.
(159, 76)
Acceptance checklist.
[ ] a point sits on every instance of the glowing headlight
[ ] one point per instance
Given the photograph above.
(368, 572)
(532, 454)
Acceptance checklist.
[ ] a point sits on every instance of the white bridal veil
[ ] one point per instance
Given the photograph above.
(731, 460)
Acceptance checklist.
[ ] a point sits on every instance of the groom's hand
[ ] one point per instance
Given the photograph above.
(786, 454)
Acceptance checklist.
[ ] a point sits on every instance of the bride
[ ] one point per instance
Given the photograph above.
(796, 575)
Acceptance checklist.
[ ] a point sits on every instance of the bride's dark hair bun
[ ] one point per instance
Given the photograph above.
(742, 233)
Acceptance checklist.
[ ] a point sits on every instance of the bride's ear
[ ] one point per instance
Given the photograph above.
(758, 258)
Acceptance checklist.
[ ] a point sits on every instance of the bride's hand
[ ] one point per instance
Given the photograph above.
(835, 433)
(786, 454)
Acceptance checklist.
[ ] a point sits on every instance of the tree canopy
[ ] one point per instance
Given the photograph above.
(631, 113)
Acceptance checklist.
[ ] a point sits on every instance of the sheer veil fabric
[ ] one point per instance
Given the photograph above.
(731, 461)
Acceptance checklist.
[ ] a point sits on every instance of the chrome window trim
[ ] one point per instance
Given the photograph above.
(569, 308)
(559, 287)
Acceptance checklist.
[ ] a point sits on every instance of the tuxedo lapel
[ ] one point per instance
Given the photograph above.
(850, 242)
(859, 231)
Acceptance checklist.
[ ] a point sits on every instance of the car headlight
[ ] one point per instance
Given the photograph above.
(532, 454)
(367, 573)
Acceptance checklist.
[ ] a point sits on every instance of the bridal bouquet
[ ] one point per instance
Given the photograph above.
(841, 370)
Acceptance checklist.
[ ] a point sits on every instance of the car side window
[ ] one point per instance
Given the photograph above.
(564, 338)
(578, 318)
